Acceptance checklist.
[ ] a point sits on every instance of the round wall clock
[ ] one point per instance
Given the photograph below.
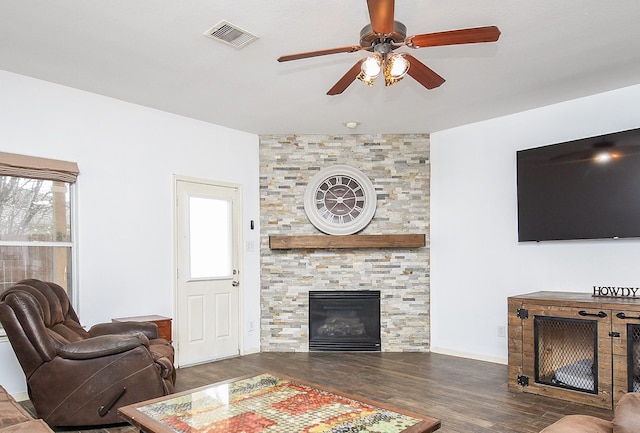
(340, 200)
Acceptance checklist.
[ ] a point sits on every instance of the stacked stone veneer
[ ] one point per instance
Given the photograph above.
(398, 166)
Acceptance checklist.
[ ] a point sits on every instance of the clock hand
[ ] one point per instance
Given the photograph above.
(333, 207)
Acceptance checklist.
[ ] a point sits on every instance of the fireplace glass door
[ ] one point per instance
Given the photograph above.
(344, 320)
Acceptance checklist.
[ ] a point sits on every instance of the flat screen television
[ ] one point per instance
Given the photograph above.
(581, 189)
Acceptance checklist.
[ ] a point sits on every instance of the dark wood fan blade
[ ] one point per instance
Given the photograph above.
(350, 49)
(453, 37)
(381, 15)
(423, 74)
(346, 79)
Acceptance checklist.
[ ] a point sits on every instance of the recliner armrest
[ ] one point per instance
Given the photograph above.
(149, 329)
(100, 346)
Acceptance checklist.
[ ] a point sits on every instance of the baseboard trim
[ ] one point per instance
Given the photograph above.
(477, 357)
(20, 396)
(250, 351)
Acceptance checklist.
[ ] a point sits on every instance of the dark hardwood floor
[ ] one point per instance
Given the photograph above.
(466, 395)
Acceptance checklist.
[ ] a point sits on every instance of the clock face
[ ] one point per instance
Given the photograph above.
(340, 200)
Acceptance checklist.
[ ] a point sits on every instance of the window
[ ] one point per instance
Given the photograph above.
(36, 230)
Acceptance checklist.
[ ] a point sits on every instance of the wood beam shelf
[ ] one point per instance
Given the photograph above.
(286, 242)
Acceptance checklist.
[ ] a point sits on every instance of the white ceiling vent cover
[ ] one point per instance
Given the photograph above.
(230, 34)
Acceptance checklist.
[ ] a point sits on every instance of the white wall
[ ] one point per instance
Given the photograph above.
(127, 156)
(125, 224)
(476, 260)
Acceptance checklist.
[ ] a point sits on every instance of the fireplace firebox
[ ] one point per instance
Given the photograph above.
(344, 320)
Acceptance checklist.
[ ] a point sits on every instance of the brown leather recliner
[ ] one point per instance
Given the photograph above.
(77, 377)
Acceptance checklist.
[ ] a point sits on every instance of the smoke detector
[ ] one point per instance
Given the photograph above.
(230, 34)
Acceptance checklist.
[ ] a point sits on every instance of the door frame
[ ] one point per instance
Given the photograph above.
(236, 220)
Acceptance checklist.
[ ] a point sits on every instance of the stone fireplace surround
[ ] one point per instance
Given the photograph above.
(398, 166)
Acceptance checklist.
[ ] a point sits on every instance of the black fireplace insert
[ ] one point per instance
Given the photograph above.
(344, 320)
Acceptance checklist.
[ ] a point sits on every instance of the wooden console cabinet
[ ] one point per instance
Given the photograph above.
(574, 346)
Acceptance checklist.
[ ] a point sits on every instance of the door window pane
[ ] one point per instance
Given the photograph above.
(209, 238)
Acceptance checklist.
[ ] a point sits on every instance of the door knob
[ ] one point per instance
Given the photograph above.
(235, 283)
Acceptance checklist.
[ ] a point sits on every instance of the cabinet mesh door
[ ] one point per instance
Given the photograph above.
(565, 353)
(633, 348)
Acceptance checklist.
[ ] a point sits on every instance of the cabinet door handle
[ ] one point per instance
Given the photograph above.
(600, 314)
(624, 316)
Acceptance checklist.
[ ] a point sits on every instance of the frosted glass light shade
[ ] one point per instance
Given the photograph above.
(372, 66)
(398, 65)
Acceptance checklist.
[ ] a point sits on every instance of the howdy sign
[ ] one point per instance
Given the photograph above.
(616, 292)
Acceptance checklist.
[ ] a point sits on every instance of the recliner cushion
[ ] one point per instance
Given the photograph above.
(70, 331)
(25, 315)
(53, 301)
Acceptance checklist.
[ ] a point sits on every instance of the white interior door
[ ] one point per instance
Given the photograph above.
(208, 273)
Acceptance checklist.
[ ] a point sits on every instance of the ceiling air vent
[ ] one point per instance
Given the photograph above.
(230, 34)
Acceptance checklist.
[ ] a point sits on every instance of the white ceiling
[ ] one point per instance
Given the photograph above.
(153, 53)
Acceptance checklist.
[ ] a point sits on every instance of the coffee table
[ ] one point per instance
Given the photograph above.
(270, 402)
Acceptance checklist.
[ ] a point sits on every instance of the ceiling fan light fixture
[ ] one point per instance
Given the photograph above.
(395, 68)
(370, 68)
(390, 81)
(366, 79)
(372, 65)
(397, 65)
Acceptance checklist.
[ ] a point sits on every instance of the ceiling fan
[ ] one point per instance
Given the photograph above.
(384, 35)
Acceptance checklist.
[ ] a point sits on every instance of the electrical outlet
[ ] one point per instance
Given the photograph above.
(502, 332)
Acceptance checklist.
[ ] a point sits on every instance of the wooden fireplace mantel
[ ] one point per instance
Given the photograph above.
(285, 242)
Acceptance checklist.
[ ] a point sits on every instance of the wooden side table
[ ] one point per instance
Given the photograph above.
(164, 323)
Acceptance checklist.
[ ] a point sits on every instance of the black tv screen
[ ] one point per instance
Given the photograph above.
(581, 189)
